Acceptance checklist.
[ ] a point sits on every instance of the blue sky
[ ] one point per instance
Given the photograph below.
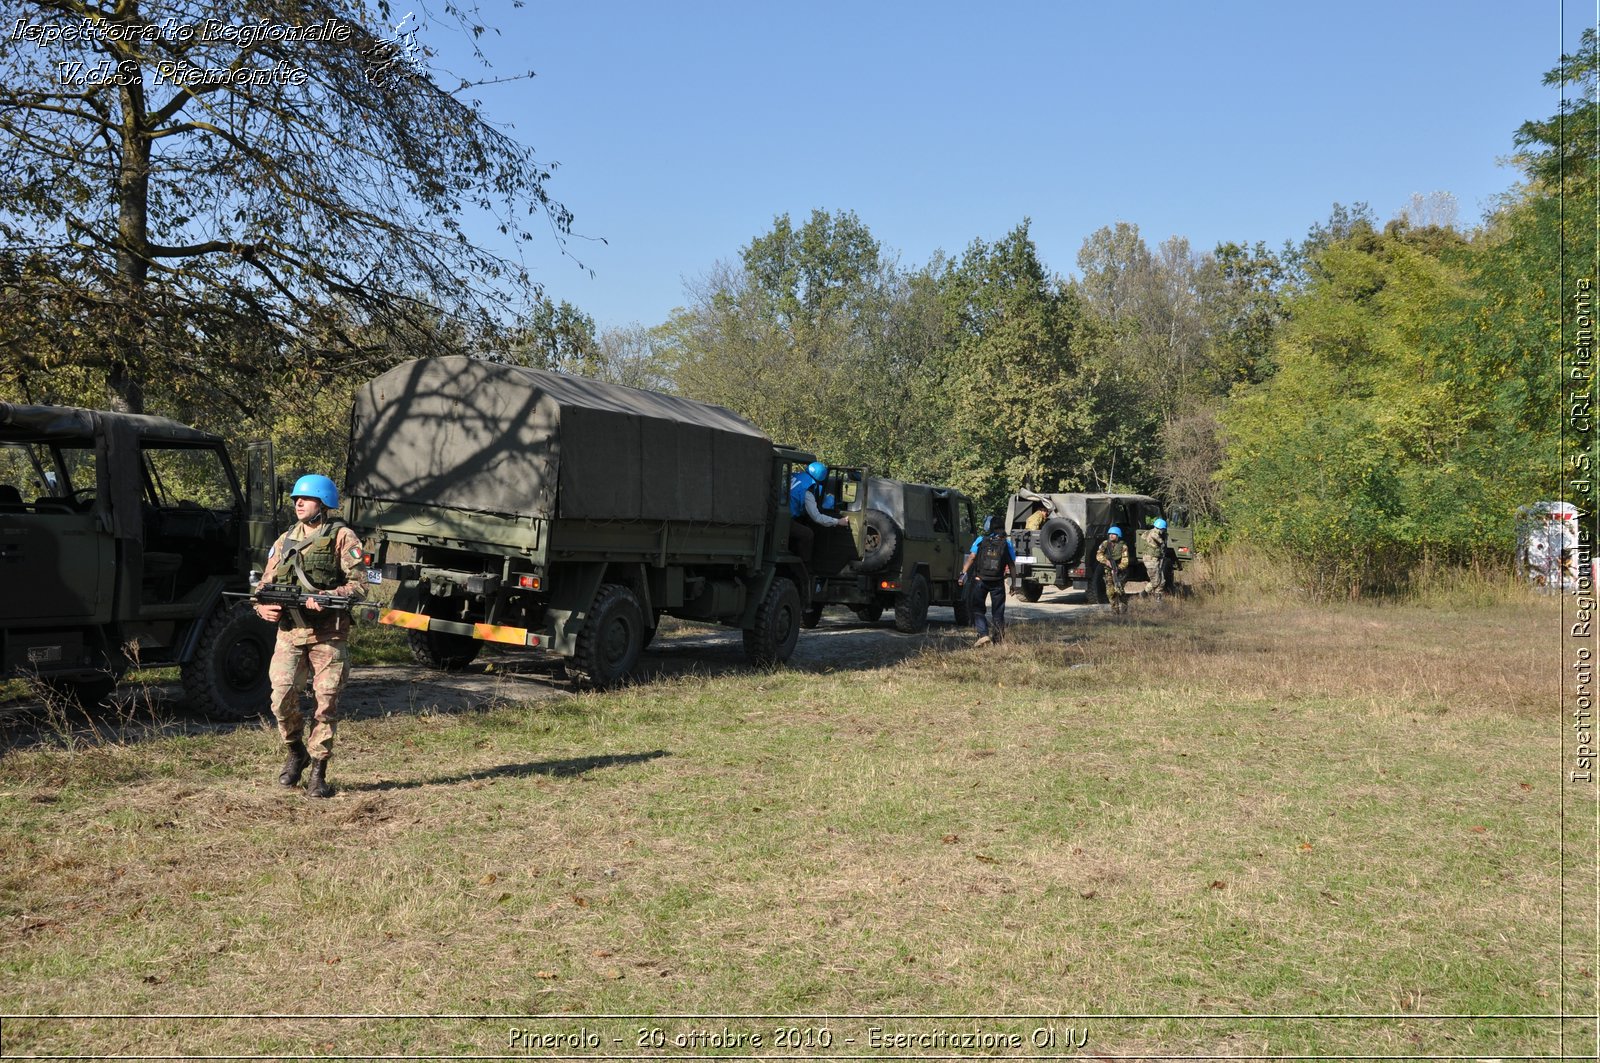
(683, 128)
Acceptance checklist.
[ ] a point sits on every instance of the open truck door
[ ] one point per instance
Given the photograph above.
(262, 503)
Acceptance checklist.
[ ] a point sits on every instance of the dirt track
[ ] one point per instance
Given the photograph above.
(840, 641)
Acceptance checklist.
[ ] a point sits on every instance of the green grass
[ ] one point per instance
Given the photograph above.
(1214, 810)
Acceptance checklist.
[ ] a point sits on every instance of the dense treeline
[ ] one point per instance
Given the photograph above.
(1373, 397)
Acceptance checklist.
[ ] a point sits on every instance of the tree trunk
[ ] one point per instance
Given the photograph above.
(126, 378)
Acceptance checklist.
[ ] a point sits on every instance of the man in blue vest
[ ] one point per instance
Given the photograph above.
(991, 559)
(805, 490)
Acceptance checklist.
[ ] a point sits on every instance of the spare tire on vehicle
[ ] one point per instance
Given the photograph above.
(1060, 540)
(880, 539)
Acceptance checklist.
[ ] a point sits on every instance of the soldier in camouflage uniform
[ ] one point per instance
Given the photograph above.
(1155, 558)
(324, 555)
(1113, 557)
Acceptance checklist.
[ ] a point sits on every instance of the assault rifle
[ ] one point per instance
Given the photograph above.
(287, 594)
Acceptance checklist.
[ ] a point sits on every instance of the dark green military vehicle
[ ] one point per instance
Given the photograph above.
(515, 506)
(119, 536)
(1062, 552)
(902, 549)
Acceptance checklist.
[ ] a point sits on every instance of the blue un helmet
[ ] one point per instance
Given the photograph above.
(1114, 530)
(318, 487)
(1161, 525)
(817, 471)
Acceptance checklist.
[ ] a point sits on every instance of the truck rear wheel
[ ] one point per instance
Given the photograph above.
(868, 614)
(880, 538)
(227, 677)
(777, 626)
(1030, 590)
(609, 644)
(811, 617)
(443, 650)
(911, 607)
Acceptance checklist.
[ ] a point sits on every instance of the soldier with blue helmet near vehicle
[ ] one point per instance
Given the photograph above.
(1114, 559)
(323, 557)
(805, 489)
(991, 559)
(1155, 558)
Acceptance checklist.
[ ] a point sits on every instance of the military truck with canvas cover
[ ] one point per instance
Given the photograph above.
(568, 515)
(902, 549)
(119, 537)
(1062, 552)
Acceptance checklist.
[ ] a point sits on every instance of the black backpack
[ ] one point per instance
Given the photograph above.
(991, 559)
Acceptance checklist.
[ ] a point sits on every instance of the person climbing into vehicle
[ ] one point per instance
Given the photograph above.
(1037, 516)
(1113, 558)
(1155, 558)
(805, 491)
(990, 559)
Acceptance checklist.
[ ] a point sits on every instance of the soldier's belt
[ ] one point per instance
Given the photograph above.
(289, 594)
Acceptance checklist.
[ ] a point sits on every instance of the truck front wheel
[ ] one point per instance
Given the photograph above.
(227, 677)
(777, 626)
(609, 644)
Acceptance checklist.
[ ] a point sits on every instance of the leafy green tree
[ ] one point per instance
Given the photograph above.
(275, 183)
(1245, 308)
(815, 337)
(1014, 408)
(1390, 434)
(1560, 152)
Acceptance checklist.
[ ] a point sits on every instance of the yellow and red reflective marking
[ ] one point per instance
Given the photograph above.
(400, 618)
(516, 636)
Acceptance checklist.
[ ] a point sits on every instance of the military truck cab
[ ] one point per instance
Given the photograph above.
(1061, 553)
(119, 536)
(902, 549)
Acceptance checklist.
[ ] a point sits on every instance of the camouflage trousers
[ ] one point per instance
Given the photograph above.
(328, 665)
(1157, 585)
(1116, 594)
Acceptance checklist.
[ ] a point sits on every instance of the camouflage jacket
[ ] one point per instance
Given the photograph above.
(307, 625)
(1113, 554)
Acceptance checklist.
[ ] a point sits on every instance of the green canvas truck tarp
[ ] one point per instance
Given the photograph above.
(486, 437)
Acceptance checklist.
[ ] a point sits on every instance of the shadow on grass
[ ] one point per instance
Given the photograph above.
(841, 642)
(555, 769)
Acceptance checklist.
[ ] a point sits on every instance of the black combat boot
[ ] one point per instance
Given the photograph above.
(294, 763)
(317, 785)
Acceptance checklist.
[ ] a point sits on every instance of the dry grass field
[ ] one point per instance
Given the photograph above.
(1221, 828)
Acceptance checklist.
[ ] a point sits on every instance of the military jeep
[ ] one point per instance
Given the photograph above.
(902, 549)
(1062, 552)
(120, 535)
